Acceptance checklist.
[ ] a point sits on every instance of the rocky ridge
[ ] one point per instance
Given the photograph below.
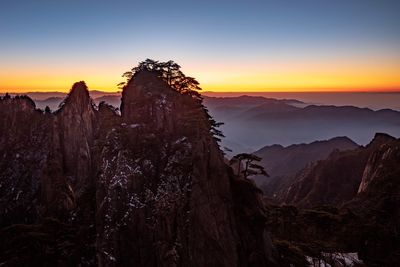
(340, 177)
(148, 187)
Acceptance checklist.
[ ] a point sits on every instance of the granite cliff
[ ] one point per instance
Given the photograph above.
(147, 187)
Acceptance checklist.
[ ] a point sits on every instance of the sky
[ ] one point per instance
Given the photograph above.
(282, 45)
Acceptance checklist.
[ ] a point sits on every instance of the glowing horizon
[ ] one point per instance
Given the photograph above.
(273, 81)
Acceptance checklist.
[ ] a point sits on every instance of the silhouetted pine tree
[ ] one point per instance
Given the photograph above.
(250, 168)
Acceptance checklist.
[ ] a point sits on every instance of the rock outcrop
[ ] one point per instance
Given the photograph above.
(379, 160)
(24, 144)
(331, 181)
(175, 188)
(339, 178)
(148, 187)
(284, 163)
(73, 136)
(367, 223)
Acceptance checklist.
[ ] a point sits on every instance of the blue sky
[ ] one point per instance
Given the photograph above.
(113, 35)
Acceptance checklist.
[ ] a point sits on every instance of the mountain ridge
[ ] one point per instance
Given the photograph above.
(147, 187)
(284, 162)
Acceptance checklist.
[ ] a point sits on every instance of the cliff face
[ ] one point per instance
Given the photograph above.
(378, 202)
(148, 187)
(24, 142)
(283, 163)
(176, 189)
(341, 176)
(47, 155)
(366, 223)
(74, 136)
(375, 168)
(331, 181)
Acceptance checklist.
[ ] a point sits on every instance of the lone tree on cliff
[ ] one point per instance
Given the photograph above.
(250, 168)
(170, 72)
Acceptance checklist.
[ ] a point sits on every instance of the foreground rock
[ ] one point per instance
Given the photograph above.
(283, 163)
(337, 179)
(361, 214)
(147, 188)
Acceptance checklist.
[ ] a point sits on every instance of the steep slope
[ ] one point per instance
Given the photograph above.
(148, 187)
(367, 224)
(283, 163)
(24, 143)
(381, 161)
(334, 180)
(175, 191)
(74, 136)
(378, 203)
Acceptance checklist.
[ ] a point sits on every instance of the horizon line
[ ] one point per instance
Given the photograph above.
(220, 92)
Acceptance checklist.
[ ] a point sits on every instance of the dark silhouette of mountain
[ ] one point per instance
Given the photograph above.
(336, 179)
(89, 185)
(362, 187)
(85, 186)
(283, 163)
(46, 95)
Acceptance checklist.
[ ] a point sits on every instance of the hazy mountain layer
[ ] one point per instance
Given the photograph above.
(283, 163)
(280, 123)
(337, 179)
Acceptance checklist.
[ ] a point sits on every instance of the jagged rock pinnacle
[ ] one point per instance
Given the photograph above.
(79, 97)
(144, 88)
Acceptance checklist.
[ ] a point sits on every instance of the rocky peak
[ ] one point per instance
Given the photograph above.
(73, 136)
(21, 103)
(151, 185)
(380, 139)
(387, 150)
(147, 99)
(344, 174)
(24, 137)
(78, 98)
(186, 208)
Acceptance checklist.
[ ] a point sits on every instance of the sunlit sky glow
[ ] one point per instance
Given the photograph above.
(318, 45)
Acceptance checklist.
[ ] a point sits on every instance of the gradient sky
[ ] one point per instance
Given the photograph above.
(281, 45)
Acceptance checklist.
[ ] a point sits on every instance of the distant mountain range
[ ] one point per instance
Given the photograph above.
(338, 178)
(264, 121)
(328, 172)
(283, 163)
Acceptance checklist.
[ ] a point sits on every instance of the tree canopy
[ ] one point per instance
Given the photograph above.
(250, 168)
(170, 72)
